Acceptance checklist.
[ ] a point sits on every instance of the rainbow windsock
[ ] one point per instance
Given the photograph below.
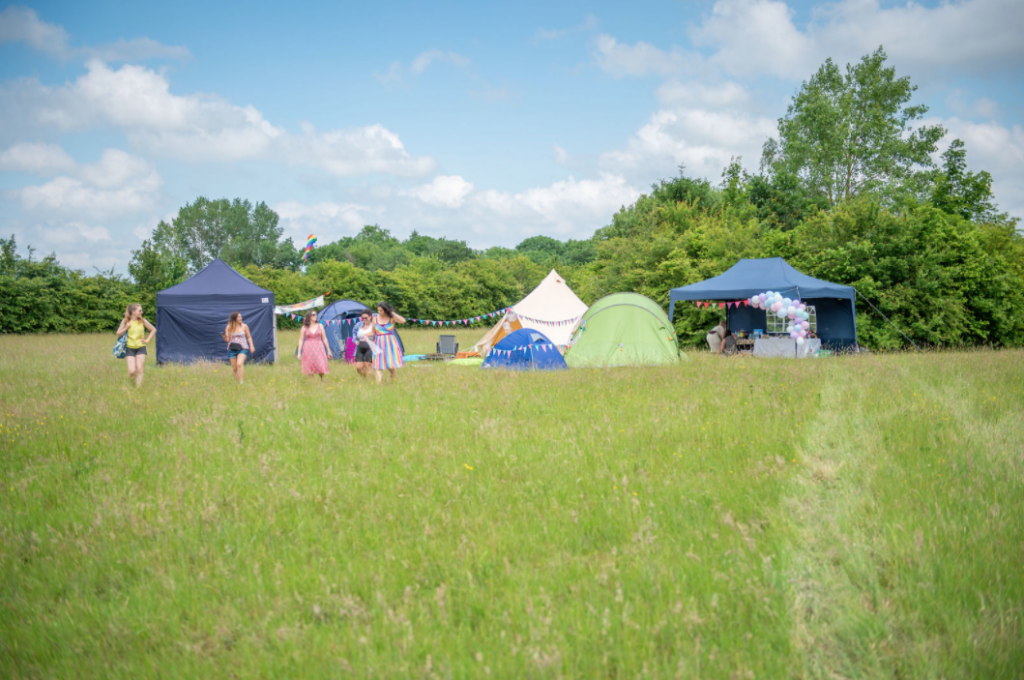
(309, 246)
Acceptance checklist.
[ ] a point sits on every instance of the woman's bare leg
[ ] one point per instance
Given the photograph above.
(139, 361)
(131, 367)
(240, 372)
(392, 374)
(380, 376)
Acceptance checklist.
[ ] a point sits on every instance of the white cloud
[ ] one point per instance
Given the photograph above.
(424, 59)
(197, 127)
(420, 63)
(358, 151)
(450, 206)
(137, 49)
(561, 155)
(38, 159)
(759, 36)
(22, 24)
(118, 185)
(641, 59)
(448, 191)
(701, 127)
(589, 24)
(724, 95)
(981, 107)
(392, 76)
(570, 206)
(329, 221)
(755, 36)
(997, 148)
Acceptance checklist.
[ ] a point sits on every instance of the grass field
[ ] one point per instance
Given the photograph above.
(855, 517)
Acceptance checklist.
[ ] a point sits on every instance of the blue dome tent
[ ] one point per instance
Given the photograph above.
(191, 316)
(345, 311)
(523, 350)
(833, 302)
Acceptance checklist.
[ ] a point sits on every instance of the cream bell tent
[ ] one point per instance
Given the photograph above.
(552, 308)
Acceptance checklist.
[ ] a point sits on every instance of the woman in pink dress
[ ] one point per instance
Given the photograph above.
(313, 348)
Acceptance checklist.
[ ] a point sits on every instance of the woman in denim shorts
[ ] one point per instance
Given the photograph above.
(240, 345)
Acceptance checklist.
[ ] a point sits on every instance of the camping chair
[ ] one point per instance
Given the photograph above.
(447, 346)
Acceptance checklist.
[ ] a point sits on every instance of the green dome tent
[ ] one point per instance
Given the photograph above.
(623, 329)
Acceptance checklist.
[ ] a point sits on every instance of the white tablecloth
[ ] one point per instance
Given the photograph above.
(786, 348)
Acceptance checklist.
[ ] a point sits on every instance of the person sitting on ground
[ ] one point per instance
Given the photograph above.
(729, 344)
(715, 337)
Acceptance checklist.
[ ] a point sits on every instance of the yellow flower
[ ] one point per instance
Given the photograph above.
(466, 466)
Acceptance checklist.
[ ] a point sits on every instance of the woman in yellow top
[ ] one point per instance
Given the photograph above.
(136, 327)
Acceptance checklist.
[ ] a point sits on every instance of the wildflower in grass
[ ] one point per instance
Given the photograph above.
(467, 466)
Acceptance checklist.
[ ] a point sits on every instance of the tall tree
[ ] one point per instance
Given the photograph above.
(853, 133)
(236, 231)
(153, 270)
(197, 233)
(959, 192)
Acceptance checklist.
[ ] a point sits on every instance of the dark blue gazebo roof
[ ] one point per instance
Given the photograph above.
(750, 277)
(216, 279)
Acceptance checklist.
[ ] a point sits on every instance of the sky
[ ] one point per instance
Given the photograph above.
(482, 123)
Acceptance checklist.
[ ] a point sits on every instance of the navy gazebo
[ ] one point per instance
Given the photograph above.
(191, 316)
(833, 303)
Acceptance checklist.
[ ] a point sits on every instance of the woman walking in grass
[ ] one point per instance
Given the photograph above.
(364, 350)
(136, 327)
(384, 334)
(240, 345)
(313, 348)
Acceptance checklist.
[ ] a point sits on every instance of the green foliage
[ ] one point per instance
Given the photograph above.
(845, 194)
(929, 272)
(957, 191)
(849, 134)
(235, 231)
(41, 296)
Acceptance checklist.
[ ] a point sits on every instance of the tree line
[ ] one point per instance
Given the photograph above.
(848, 192)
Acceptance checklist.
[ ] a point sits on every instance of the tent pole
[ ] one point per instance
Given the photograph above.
(275, 338)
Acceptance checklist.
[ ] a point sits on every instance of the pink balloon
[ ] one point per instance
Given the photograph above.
(776, 307)
(791, 315)
(805, 325)
(802, 333)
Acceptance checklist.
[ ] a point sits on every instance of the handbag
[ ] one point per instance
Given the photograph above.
(121, 346)
(235, 347)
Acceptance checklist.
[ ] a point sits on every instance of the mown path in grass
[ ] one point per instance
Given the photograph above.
(718, 519)
(910, 509)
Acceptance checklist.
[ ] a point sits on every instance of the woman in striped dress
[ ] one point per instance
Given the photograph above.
(313, 348)
(389, 355)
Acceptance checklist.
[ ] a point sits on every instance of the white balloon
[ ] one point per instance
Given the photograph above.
(799, 341)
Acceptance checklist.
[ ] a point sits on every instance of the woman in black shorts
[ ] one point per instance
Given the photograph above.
(364, 354)
(135, 352)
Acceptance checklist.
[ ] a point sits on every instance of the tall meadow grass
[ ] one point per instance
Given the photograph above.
(844, 517)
